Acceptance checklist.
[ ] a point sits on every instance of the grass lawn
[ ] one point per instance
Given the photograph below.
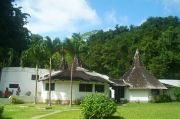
(128, 111)
(26, 111)
(150, 111)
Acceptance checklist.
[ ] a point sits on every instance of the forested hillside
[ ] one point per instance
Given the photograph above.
(158, 40)
(108, 52)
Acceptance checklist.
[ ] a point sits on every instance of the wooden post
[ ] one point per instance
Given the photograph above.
(71, 83)
(35, 98)
(49, 82)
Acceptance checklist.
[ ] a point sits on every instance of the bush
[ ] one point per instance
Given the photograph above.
(28, 93)
(15, 100)
(161, 98)
(178, 98)
(97, 106)
(48, 107)
(176, 92)
(1, 111)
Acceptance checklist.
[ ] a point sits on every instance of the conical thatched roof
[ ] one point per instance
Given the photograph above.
(63, 64)
(139, 78)
(79, 73)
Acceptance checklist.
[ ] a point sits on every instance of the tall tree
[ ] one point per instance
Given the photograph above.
(36, 55)
(75, 46)
(13, 34)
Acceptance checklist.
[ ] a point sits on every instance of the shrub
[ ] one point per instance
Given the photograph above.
(176, 92)
(1, 111)
(48, 107)
(15, 100)
(178, 98)
(28, 93)
(161, 98)
(97, 106)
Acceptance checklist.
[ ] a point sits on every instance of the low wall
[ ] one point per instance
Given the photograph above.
(4, 101)
(26, 99)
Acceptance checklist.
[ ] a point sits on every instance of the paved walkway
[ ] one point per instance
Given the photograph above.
(57, 111)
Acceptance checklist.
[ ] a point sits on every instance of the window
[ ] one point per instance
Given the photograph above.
(13, 85)
(99, 88)
(52, 87)
(33, 77)
(85, 87)
(155, 92)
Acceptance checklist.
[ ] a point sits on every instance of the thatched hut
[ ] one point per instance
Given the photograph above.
(85, 82)
(137, 84)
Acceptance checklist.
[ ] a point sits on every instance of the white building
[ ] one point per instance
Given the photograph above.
(84, 83)
(137, 84)
(14, 77)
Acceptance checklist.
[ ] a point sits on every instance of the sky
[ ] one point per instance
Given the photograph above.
(61, 18)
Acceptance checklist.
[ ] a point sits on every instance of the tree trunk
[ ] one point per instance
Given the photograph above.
(35, 98)
(49, 82)
(71, 83)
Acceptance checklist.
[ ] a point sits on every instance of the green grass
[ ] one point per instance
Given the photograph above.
(128, 111)
(26, 111)
(75, 114)
(133, 111)
(150, 111)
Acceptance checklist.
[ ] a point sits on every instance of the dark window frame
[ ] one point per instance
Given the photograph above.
(85, 87)
(47, 86)
(155, 92)
(13, 85)
(99, 88)
(33, 77)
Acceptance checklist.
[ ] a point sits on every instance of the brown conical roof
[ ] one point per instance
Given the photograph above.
(75, 62)
(139, 78)
(63, 64)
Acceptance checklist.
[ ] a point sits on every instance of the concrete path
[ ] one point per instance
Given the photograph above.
(57, 111)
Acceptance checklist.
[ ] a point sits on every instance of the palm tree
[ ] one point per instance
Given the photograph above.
(53, 47)
(49, 82)
(74, 47)
(36, 55)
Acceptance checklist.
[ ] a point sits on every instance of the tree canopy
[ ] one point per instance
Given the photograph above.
(158, 39)
(14, 37)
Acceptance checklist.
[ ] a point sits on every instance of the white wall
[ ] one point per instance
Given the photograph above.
(21, 76)
(62, 90)
(137, 95)
(170, 82)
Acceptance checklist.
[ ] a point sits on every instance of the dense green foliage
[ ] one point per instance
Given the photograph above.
(14, 37)
(107, 52)
(161, 98)
(158, 40)
(97, 106)
(176, 92)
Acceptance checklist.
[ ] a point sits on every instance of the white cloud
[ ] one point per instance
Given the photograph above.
(170, 5)
(49, 16)
(141, 22)
(112, 19)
